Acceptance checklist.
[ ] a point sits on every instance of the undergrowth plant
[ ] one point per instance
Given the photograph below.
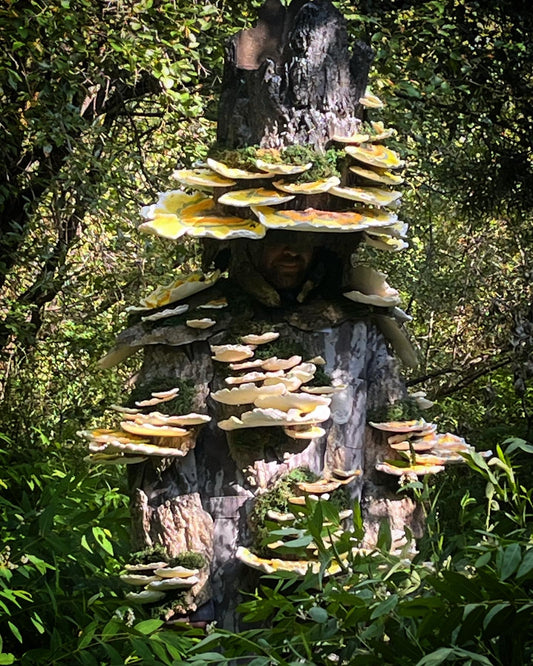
(464, 600)
(63, 536)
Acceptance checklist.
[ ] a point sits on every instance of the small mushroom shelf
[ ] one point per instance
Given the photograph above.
(284, 536)
(142, 435)
(153, 577)
(421, 449)
(275, 387)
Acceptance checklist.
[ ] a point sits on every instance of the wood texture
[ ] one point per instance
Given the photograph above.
(292, 79)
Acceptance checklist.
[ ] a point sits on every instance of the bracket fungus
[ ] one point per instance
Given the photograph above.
(177, 290)
(246, 393)
(371, 101)
(200, 323)
(278, 168)
(370, 286)
(236, 174)
(314, 187)
(202, 178)
(254, 197)
(231, 353)
(311, 219)
(262, 339)
(368, 195)
(375, 155)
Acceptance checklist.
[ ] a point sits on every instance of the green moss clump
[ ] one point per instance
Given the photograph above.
(276, 499)
(148, 555)
(258, 439)
(325, 164)
(321, 378)
(181, 404)
(188, 559)
(281, 349)
(237, 158)
(158, 553)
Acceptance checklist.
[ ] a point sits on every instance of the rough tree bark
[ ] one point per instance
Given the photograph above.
(292, 79)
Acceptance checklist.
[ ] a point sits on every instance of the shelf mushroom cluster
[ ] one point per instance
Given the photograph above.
(275, 387)
(422, 449)
(156, 579)
(221, 203)
(141, 434)
(307, 556)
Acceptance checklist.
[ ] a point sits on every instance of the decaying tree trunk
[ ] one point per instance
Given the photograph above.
(290, 80)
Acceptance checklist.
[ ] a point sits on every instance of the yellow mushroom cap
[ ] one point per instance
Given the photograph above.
(150, 430)
(303, 402)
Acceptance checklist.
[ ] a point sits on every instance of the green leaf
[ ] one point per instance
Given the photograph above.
(517, 443)
(87, 635)
(148, 626)
(318, 614)
(508, 560)
(15, 631)
(111, 629)
(526, 565)
(385, 607)
(494, 611)
(37, 623)
(436, 657)
(384, 540)
(101, 537)
(85, 544)
(6, 658)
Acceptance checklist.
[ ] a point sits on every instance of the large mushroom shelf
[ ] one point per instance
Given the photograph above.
(142, 434)
(417, 449)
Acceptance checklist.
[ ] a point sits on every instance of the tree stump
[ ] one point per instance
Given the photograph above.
(290, 80)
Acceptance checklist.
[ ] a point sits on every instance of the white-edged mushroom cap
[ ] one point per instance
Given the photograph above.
(231, 353)
(253, 377)
(275, 417)
(151, 566)
(263, 339)
(247, 393)
(164, 314)
(317, 360)
(247, 365)
(124, 410)
(200, 323)
(176, 572)
(411, 470)
(155, 450)
(172, 583)
(170, 393)
(324, 390)
(145, 597)
(159, 419)
(304, 402)
(304, 432)
(291, 382)
(274, 363)
(149, 430)
(137, 579)
(366, 281)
